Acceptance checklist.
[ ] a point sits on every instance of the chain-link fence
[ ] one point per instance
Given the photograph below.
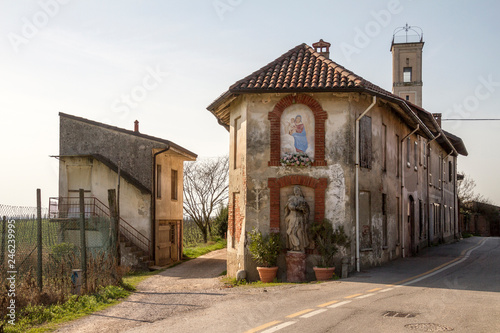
(41, 255)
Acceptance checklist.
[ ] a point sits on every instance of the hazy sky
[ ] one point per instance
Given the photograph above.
(164, 62)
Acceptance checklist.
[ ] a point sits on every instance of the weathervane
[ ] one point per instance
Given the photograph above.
(408, 28)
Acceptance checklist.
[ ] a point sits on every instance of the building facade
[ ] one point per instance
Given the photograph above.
(374, 163)
(147, 173)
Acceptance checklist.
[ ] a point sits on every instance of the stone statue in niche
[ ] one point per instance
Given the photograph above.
(297, 219)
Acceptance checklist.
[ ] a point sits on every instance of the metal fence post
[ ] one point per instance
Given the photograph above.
(115, 223)
(83, 242)
(39, 238)
(4, 234)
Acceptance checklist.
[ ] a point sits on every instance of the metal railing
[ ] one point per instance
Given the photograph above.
(69, 207)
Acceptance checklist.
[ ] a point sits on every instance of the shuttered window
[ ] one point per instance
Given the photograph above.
(365, 142)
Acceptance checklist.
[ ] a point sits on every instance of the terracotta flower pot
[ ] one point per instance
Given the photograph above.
(324, 273)
(267, 274)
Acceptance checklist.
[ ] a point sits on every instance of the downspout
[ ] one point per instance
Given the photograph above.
(153, 202)
(403, 235)
(357, 179)
(442, 189)
(429, 240)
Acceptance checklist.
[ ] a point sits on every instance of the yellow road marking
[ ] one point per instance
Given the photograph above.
(438, 267)
(326, 304)
(299, 313)
(355, 295)
(261, 327)
(375, 289)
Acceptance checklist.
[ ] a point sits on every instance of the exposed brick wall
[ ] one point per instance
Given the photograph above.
(275, 184)
(238, 218)
(320, 117)
(235, 218)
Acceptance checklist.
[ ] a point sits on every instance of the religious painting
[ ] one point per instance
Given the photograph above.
(297, 131)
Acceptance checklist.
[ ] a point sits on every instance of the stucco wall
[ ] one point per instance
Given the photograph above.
(387, 229)
(236, 258)
(134, 205)
(168, 208)
(134, 153)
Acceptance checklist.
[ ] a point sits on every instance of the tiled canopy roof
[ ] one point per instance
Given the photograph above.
(302, 68)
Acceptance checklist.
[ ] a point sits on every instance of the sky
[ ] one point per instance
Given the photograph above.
(163, 62)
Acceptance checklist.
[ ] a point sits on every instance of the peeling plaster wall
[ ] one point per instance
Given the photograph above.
(236, 237)
(134, 204)
(134, 153)
(388, 228)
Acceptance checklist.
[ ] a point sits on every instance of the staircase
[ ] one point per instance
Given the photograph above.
(133, 256)
(135, 247)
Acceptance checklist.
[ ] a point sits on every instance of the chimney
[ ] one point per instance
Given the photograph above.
(322, 48)
(437, 116)
(136, 126)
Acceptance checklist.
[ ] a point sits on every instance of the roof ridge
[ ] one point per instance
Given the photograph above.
(129, 132)
(270, 64)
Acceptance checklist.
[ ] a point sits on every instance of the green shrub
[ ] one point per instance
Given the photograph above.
(265, 249)
(62, 250)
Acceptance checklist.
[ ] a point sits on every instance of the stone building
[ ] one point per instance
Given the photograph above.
(479, 218)
(147, 172)
(380, 165)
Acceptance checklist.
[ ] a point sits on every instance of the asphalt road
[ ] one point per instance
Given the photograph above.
(453, 287)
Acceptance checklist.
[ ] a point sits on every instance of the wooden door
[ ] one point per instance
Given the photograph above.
(167, 242)
(163, 244)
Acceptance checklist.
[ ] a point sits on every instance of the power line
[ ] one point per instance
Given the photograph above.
(470, 119)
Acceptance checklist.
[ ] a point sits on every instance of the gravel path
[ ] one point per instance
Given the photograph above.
(192, 285)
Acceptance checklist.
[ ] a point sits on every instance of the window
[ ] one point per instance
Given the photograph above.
(420, 218)
(430, 166)
(365, 142)
(407, 74)
(424, 154)
(407, 97)
(398, 152)
(384, 218)
(174, 185)
(440, 170)
(172, 233)
(158, 181)
(384, 147)
(450, 171)
(237, 133)
(415, 154)
(408, 152)
(398, 218)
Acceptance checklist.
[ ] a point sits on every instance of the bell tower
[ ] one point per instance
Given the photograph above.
(406, 49)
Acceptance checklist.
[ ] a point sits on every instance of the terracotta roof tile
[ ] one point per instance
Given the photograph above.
(302, 68)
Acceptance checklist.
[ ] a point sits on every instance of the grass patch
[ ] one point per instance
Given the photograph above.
(231, 283)
(30, 318)
(39, 318)
(131, 280)
(200, 249)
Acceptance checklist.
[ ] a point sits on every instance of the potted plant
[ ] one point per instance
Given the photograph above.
(265, 250)
(327, 242)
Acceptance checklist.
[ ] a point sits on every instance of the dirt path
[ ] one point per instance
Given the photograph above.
(189, 286)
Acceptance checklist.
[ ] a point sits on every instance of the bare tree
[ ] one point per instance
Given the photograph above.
(205, 189)
(465, 191)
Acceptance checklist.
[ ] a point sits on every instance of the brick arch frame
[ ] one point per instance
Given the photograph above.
(275, 184)
(320, 117)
